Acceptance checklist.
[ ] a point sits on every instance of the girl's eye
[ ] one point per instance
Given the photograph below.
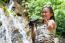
(44, 12)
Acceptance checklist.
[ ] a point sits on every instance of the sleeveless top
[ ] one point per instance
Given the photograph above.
(43, 35)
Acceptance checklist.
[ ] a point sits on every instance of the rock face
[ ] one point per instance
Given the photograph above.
(62, 40)
(20, 7)
(17, 8)
(14, 29)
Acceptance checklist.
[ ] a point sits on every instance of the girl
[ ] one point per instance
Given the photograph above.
(45, 31)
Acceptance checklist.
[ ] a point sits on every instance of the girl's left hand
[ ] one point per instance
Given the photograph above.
(45, 20)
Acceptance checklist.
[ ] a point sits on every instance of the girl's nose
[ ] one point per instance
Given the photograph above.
(44, 14)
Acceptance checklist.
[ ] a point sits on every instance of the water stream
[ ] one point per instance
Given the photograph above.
(12, 27)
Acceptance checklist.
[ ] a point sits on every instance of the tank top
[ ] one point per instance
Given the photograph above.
(43, 35)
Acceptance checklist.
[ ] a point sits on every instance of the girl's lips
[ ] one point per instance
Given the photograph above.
(44, 16)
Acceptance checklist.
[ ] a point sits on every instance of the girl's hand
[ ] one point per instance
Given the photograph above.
(51, 25)
(45, 20)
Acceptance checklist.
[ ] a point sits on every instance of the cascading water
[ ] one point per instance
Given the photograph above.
(9, 25)
(11, 4)
(21, 27)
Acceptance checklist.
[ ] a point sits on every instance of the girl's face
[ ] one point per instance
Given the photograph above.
(46, 14)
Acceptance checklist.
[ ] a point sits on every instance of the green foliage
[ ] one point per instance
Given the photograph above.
(35, 7)
(8, 12)
(4, 1)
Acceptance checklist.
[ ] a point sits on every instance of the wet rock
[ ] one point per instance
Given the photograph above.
(19, 14)
(16, 37)
(0, 23)
(2, 35)
(19, 1)
(62, 40)
(18, 9)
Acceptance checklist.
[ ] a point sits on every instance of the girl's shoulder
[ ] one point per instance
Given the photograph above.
(51, 22)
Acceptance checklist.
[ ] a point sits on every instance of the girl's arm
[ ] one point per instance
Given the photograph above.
(51, 25)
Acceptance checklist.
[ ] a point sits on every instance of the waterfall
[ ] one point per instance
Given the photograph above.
(11, 4)
(10, 23)
(21, 27)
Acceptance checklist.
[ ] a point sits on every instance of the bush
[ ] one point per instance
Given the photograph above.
(35, 7)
